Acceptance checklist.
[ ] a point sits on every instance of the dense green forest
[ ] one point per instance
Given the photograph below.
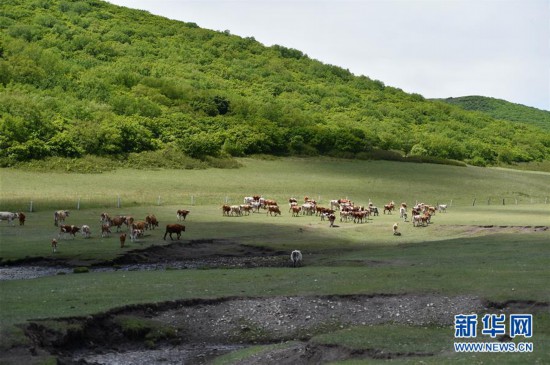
(505, 110)
(87, 78)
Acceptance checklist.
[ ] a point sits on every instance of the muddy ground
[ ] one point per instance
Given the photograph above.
(196, 331)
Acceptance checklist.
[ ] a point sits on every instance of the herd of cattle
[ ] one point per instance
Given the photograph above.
(346, 210)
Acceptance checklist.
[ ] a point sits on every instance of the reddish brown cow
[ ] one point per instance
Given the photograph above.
(296, 210)
(68, 229)
(122, 239)
(182, 214)
(273, 210)
(118, 221)
(22, 218)
(151, 221)
(226, 209)
(140, 225)
(174, 228)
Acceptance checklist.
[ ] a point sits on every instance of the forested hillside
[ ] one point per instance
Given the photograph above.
(89, 78)
(502, 109)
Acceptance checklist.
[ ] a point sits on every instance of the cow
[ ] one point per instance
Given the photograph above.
(139, 225)
(174, 228)
(331, 219)
(118, 221)
(85, 230)
(442, 208)
(151, 221)
(389, 207)
(22, 218)
(226, 209)
(104, 218)
(129, 220)
(9, 216)
(296, 210)
(296, 258)
(136, 232)
(236, 210)
(246, 208)
(59, 216)
(54, 245)
(273, 210)
(65, 229)
(105, 230)
(122, 238)
(181, 214)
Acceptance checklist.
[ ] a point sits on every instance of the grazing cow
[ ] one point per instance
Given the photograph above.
(151, 221)
(296, 258)
(65, 229)
(296, 210)
(9, 216)
(273, 210)
(389, 207)
(105, 230)
(59, 216)
(182, 214)
(226, 209)
(85, 230)
(442, 208)
(54, 245)
(22, 218)
(122, 239)
(174, 228)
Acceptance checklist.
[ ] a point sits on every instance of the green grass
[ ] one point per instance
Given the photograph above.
(453, 256)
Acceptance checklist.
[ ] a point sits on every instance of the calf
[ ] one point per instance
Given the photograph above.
(54, 245)
(174, 228)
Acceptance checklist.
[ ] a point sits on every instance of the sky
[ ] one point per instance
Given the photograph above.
(436, 48)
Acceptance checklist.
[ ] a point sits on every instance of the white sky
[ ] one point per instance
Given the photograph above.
(437, 48)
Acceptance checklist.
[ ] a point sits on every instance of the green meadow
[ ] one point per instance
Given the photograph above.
(482, 246)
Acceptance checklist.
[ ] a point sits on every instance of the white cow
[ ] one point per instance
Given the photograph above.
(85, 230)
(296, 258)
(9, 216)
(442, 208)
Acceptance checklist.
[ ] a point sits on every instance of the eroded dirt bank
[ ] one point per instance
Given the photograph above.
(173, 329)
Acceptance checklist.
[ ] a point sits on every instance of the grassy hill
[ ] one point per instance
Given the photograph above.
(504, 110)
(81, 78)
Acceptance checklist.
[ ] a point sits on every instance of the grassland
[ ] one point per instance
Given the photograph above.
(489, 250)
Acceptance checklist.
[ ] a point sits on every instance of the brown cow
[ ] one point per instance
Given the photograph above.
(174, 228)
(22, 218)
(226, 209)
(105, 230)
(296, 210)
(182, 214)
(118, 221)
(54, 245)
(68, 229)
(59, 216)
(122, 239)
(273, 210)
(152, 221)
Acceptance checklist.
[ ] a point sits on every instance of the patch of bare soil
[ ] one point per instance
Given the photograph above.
(197, 330)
